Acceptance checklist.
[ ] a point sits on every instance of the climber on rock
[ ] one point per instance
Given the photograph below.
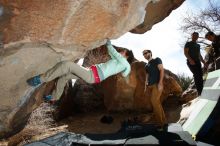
(66, 70)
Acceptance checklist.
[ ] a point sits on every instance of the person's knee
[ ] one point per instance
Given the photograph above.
(66, 65)
(90, 80)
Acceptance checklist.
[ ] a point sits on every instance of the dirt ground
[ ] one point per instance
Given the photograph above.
(42, 125)
(90, 122)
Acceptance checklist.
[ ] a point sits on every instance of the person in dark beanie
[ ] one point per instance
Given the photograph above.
(194, 59)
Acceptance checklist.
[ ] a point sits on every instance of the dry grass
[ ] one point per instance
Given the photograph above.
(40, 125)
(41, 119)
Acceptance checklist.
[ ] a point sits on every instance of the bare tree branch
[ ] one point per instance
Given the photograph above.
(206, 20)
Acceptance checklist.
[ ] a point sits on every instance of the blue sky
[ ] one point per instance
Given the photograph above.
(165, 39)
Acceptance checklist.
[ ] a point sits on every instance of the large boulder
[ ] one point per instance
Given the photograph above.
(163, 8)
(35, 35)
(115, 93)
(121, 95)
(18, 99)
(189, 94)
(83, 23)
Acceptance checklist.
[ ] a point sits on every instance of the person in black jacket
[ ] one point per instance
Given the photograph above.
(194, 57)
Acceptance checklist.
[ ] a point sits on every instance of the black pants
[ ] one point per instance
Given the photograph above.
(197, 74)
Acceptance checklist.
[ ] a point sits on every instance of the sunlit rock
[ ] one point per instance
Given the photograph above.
(120, 95)
(35, 35)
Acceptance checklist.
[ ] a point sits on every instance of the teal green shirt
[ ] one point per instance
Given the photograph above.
(115, 65)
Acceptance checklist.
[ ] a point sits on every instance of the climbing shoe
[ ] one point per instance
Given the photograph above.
(48, 98)
(34, 81)
(51, 100)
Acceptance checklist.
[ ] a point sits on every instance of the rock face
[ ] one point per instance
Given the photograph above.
(38, 34)
(120, 95)
(83, 23)
(189, 94)
(115, 92)
(153, 17)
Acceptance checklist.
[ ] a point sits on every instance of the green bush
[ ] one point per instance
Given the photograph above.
(184, 81)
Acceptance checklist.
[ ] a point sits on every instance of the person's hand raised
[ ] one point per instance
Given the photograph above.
(108, 41)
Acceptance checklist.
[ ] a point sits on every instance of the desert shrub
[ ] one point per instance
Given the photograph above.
(184, 81)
